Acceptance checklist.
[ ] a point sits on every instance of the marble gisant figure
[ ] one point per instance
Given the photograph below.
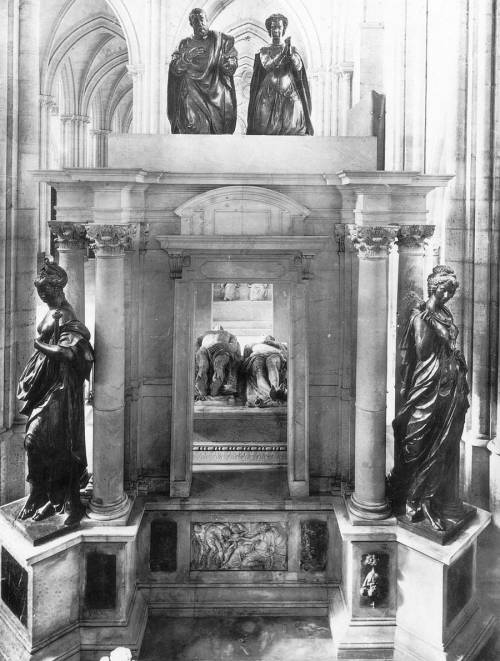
(217, 360)
(264, 369)
(51, 392)
(259, 378)
(280, 100)
(428, 426)
(201, 91)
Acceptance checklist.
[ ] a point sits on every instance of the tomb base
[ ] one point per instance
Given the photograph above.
(405, 597)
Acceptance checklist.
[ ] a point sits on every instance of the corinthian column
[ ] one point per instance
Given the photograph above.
(412, 243)
(70, 240)
(372, 245)
(109, 501)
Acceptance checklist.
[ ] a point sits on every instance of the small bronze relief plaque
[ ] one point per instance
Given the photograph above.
(163, 549)
(235, 546)
(313, 545)
(374, 580)
(14, 586)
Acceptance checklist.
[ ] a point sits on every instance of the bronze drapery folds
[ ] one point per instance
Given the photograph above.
(280, 101)
(201, 92)
(428, 427)
(51, 391)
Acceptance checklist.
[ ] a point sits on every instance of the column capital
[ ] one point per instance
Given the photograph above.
(414, 238)
(68, 236)
(110, 240)
(372, 242)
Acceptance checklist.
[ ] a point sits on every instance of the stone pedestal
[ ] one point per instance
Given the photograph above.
(109, 501)
(494, 482)
(418, 604)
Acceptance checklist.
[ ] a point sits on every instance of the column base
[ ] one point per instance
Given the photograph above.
(361, 514)
(114, 514)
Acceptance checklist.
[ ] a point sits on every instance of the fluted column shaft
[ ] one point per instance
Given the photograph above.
(372, 245)
(109, 500)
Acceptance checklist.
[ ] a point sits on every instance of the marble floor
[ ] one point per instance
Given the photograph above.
(237, 639)
(290, 638)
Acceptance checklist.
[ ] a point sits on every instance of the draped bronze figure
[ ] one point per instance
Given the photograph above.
(51, 392)
(428, 427)
(201, 92)
(280, 101)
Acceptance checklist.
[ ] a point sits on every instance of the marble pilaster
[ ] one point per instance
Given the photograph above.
(109, 501)
(373, 245)
(70, 239)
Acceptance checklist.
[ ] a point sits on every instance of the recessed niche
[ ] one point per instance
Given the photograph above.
(100, 583)
(163, 546)
(14, 586)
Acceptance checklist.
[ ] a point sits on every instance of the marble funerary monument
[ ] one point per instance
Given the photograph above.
(245, 288)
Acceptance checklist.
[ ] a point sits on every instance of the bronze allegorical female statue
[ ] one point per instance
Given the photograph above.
(51, 392)
(428, 427)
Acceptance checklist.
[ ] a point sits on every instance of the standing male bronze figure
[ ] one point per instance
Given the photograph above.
(201, 92)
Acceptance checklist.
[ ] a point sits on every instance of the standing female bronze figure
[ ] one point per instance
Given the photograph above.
(429, 425)
(51, 392)
(280, 101)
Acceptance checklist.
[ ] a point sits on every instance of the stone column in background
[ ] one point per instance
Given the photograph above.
(412, 242)
(372, 245)
(99, 156)
(74, 141)
(109, 501)
(70, 239)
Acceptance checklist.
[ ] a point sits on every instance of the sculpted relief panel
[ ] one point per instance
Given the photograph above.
(239, 546)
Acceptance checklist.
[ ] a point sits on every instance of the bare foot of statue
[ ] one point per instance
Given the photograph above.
(35, 500)
(44, 512)
(431, 516)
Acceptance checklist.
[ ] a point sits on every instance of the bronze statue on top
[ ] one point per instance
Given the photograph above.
(51, 392)
(280, 101)
(201, 92)
(429, 425)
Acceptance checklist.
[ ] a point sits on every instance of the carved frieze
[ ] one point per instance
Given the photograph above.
(239, 546)
(372, 242)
